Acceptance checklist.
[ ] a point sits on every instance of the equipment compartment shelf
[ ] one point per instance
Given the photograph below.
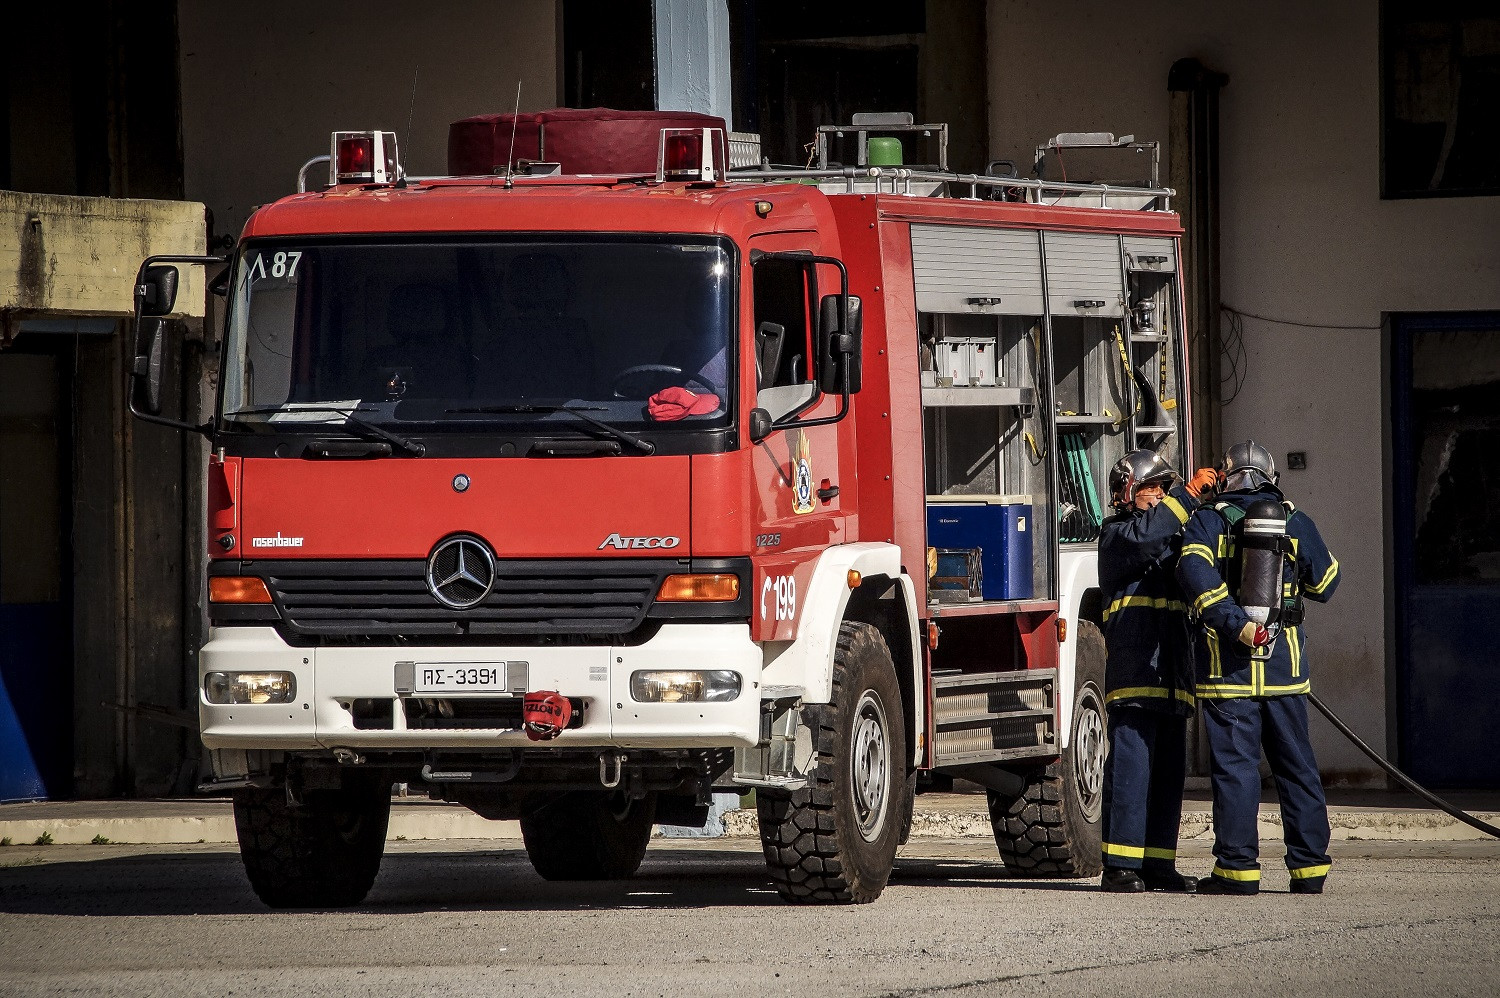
(1088, 420)
(991, 396)
(978, 608)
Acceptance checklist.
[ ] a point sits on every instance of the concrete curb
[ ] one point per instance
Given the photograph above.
(442, 822)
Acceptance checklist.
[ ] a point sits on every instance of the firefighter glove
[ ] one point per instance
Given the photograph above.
(1203, 482)
(1253, 635)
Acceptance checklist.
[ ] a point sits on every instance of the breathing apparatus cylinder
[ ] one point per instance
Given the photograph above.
(1262, 541)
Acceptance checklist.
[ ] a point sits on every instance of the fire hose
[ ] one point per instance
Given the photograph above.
(1400, 777)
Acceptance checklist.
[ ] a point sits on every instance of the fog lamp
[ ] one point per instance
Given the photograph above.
(717, 686)
(250, 687)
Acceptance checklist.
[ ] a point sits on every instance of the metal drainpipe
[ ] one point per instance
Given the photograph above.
(1193, 171)
(1193, 167)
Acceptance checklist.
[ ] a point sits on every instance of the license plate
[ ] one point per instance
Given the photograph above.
(450, 678)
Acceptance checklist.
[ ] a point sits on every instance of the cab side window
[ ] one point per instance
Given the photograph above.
(785, 305)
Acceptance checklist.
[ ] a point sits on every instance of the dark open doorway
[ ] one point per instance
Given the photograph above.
(1446, 422)
(36, 614)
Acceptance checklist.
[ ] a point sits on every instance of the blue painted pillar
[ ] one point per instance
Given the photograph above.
(692, 57)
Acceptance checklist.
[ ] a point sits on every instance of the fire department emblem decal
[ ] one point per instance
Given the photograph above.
(802, 489)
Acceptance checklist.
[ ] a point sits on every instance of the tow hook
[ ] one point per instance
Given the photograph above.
(619, 759)
(348, 757)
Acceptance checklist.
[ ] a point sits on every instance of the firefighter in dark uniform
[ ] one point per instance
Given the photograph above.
(1148, 673)
(1248, 560)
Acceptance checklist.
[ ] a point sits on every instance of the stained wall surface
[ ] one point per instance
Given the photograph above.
(263, 87)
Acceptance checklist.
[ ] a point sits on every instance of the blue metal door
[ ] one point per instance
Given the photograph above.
(1446, 423)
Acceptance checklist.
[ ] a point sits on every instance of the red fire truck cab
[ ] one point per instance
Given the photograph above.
(573, 496)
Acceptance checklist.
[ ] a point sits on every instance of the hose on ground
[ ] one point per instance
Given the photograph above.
(1400, 777)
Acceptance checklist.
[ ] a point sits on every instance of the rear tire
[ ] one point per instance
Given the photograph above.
(1053, 828)
(834, 841)
(323, 854)
(589, 835)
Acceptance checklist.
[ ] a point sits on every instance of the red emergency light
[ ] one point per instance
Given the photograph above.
(365, 158)
(689, 154)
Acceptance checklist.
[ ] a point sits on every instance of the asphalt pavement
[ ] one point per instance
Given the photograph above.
(458, 918)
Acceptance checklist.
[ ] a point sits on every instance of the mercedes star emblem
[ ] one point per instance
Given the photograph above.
(461, 572)
(460, 483)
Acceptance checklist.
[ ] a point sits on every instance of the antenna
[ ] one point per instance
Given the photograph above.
(412, 107)
(410, 110)
(510, 157)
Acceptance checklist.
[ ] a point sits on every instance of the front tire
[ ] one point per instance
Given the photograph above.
(324, 853)
(835, 840)
(589, 835)
(1053, 828)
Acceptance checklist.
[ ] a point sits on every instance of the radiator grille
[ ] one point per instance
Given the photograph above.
(339, 598)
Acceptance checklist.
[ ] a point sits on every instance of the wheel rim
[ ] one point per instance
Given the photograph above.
(870, 766)
(1089, 746)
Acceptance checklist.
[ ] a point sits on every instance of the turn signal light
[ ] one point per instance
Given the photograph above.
(699, 589)
(238, 589)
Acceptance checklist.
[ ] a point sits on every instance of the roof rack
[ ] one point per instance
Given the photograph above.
(936, 183)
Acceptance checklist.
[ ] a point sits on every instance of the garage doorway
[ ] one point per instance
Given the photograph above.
(1446, 424)
(36, 615)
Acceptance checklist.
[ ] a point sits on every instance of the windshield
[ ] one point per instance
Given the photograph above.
(458, 334)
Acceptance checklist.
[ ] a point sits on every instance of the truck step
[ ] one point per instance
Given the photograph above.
(994, 716)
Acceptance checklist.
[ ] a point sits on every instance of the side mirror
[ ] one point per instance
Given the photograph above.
(157, 292)
(760, 425)
(840, 349)
(146, 372)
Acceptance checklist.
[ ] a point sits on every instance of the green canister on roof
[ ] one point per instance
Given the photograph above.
(883, 151)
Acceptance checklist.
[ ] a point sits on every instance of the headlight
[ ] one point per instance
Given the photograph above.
(684, 687)
(250, 687)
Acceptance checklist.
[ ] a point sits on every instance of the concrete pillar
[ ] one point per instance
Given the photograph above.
(692, 56)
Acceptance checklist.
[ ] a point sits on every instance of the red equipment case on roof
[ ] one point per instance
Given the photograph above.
(584, 140)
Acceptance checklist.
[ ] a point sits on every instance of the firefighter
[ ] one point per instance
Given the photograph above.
(1148, 672)
(1247, 562)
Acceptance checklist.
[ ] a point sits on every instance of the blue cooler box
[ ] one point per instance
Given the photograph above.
(999, 526)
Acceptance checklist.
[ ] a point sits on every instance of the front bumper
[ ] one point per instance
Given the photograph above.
(329, 679)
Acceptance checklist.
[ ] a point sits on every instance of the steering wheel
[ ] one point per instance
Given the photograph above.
(664, 369)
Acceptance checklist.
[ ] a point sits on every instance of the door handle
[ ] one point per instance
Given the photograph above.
(827, 492)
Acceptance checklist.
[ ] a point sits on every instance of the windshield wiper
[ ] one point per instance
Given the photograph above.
(624, 436)
(368, 429)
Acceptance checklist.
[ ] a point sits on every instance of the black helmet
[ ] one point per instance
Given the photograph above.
(1248, 466)
(1139, 467)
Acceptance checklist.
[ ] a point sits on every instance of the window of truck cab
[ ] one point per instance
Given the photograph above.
(459, 334)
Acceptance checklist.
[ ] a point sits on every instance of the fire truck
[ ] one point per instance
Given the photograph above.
(620, 467)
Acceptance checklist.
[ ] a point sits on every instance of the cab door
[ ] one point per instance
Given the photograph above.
(805, 487)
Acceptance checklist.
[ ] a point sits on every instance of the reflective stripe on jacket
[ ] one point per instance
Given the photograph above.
(1149, 660)
(1225, 667)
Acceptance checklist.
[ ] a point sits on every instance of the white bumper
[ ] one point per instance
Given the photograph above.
(328, 678)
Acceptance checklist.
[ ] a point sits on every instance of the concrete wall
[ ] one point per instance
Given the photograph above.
(1306, 237)
(263, 86)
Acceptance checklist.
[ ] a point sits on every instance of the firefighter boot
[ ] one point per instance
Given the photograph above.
(1118, 881)
(1170, 881)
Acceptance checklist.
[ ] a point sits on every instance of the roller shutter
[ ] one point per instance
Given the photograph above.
(1084, 269)
(1150, 253)
(958, 268)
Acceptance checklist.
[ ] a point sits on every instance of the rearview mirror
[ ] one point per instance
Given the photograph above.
(840, 349)
(157, 292)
